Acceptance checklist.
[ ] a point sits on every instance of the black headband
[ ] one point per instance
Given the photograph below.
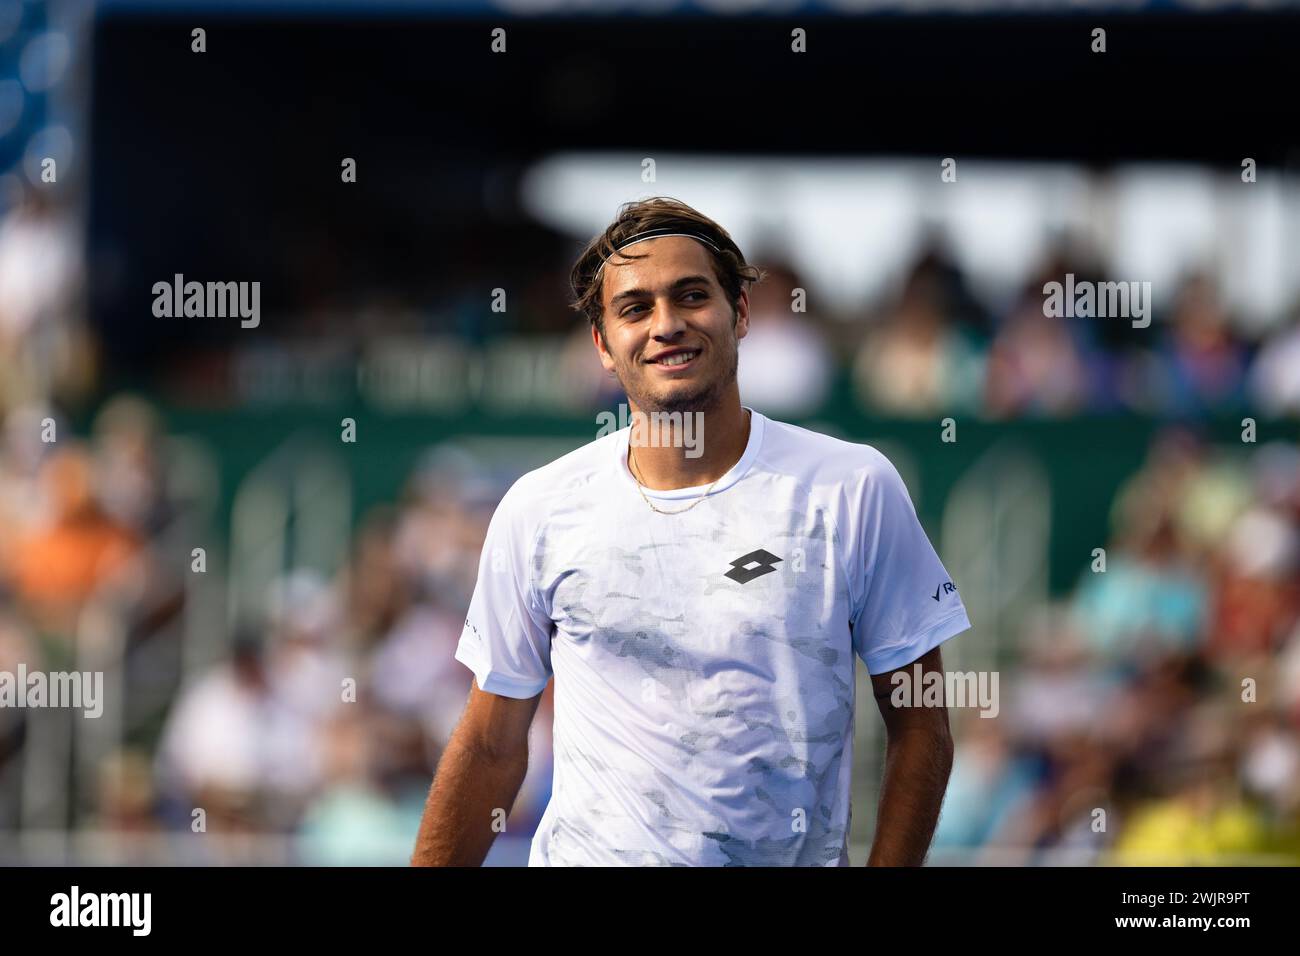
(660, 233)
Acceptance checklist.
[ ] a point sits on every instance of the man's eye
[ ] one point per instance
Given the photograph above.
(697, 292)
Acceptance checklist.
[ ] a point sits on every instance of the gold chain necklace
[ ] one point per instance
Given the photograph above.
(661, 511)
(631, 457)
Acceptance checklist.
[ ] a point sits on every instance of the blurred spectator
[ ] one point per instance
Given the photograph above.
(377, 592)
(414, 670)
(1203, 818)
(304, 668)
(232, 747)
(353, 822)
(588, 385)
(127, 434)
(40, 281)
(1270, 763)
(74, 547)
(919, 361)
(1207, 365)
(1257, 595)
(126, 799)
(1275, 377)
(990, 782)
(1035, 366)
(785, 366)
(1145, 600)
(21, 499)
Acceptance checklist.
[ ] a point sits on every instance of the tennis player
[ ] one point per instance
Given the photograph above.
(700, 609)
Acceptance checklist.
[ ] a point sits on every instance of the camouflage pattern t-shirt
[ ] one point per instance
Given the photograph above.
(704, 661)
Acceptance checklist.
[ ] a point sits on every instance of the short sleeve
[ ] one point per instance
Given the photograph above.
(906, 604)
(506, 640)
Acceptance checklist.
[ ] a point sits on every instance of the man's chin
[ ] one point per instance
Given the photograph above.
(699, 399)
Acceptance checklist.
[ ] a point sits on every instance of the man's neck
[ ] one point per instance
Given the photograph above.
(671, 451)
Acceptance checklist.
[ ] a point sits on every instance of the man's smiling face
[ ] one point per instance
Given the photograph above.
(669, 330)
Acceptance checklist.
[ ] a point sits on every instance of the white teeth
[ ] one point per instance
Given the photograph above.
(681, 358)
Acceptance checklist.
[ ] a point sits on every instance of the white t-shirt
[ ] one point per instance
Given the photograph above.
(704, 661)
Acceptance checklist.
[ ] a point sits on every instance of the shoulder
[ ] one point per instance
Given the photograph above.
(536, 494)
(824, 461)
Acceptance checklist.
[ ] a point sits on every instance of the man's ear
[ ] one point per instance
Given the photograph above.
(602, 350)
(742, 314)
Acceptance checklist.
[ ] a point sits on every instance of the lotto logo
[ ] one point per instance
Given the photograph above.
(762, 561)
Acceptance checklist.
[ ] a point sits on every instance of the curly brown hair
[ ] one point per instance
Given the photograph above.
(586, 278)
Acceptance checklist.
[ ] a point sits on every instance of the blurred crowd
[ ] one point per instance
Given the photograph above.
(930, 345)
(934, 347)
(319, 718)
(1151, 714)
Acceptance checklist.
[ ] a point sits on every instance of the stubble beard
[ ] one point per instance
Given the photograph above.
(707, 398)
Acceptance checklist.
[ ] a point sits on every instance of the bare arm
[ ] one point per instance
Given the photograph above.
(918, 759)
(479, 773)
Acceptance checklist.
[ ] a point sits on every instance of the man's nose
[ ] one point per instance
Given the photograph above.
(667, 321)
